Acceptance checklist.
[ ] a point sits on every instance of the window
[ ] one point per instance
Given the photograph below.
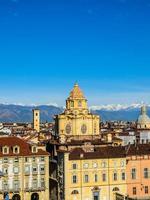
(42, 182)
(26, 159)
(42, 159)
(95, 165)
(95, 177)
(72, 104)
(27, 169)
(16, 159)
(5, 150)
(5, 185)
(16, 170)
(133, 173)
(134, 190)
(16, 150)
(115, 176)
(5, 170)
(146, 189)
(79, 104)
(34, 149)
(16, 184)
(74, 179)
(103, 177)
(42, 169)
(123, 176)
(74, 166)
(26, 184)
(75, 192)
(95, 195)
(145, 172)
(86, 178)
(103, 164)
(122, 163)
(86, 165)
(34, 169)
(5, 160)
(33, 159)
(34, 183)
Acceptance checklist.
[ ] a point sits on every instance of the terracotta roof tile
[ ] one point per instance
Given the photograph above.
(25, 148)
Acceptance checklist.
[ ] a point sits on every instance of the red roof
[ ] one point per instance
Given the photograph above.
(25, 148)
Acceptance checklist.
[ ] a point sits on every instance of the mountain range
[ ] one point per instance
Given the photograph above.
(23, 113)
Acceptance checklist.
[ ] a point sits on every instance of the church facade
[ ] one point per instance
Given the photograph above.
(76, 122)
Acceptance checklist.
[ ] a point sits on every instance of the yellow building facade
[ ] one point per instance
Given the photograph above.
(24, 170)
(76, 121)
(94, 175)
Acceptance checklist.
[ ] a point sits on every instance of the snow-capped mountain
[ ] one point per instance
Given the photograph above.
(23, 113)
(117, 107)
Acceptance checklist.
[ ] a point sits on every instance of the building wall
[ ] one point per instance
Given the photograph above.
(139, 163)
(76, 122)
(95, 166)
(25, 179)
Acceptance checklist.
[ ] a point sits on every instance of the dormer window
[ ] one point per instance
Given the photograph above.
(16, 149)
(5, 150)
(34, 149)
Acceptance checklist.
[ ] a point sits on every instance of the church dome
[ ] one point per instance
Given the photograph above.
(143, 120)
(76, 93)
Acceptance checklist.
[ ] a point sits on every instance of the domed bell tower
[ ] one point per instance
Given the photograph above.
(76, 122)
(76, 102)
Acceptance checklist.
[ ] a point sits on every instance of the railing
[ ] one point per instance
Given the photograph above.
(36, 189)
(16, 190)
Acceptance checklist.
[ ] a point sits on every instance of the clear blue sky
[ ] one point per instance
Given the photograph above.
(47, 45)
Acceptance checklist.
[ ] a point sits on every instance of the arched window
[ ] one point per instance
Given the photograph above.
(75, 192)
(34, 149)
(72, 104)
(116, 189)
(16, 197)
(35, 196)
(16, 149)
(79, 103)
(5, 150)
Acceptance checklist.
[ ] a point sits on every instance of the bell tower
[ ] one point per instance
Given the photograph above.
(36, 119)
(76, 100)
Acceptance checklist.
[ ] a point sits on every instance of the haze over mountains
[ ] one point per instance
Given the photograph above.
(23, 113)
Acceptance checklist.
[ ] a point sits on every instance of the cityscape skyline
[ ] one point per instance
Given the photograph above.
(103, 45)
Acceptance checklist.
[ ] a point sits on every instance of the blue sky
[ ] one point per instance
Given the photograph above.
(47, 45)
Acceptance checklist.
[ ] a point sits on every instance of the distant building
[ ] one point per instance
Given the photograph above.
(5, 131)
(36, 119)
(127, 138)
(143, 121)
(143, 126)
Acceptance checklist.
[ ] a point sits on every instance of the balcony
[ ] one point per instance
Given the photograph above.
(36, 189)
(42, 172)
(10, 190)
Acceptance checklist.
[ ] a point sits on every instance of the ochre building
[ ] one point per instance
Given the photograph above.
(76, 121)
(24, 170)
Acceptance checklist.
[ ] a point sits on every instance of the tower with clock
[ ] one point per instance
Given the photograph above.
(76, 122)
